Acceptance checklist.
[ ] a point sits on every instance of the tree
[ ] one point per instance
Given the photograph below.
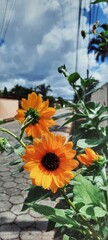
(5, 92)
(20, 92)
(99, 44)
(87, 87)
(43, 90)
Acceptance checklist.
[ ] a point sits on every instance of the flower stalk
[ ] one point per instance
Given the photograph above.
(81, 218)
(14, 136)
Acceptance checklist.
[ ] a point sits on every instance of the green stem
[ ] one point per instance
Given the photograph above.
(79, 171)
(82, 218)
(13, 135)
(100, 227)
(25, 124)
(104, 177)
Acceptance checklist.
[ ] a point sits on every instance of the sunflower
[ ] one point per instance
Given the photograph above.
(38, 113)
(50, 161)
(89, 157)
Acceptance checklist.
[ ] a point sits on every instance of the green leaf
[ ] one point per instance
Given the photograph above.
(86, 192)
(87, 211)
(18, 150)
(98, 1)
(73, 77)
(84, 143)
(92, 211)
(99, 212)
(20, 169)
(63, 115)
(14, 162)
(54, 214)
(36, 194)
(104, 26)
(66, 237)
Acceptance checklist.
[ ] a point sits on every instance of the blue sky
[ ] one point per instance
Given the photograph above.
(42, 36)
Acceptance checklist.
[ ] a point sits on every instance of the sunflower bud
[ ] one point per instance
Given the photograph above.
(4, 144)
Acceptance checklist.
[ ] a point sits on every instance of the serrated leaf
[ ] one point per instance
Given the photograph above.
(88, 211)
(84, 143)
(86, 192)
(14, 162)
(92, 211)
(54, 214)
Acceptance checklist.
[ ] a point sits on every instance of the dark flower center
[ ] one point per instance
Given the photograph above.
(32, 114)
(50, 161)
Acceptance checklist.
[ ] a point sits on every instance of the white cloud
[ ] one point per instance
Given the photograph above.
(10, 83)
(104, 7)
(42, 36)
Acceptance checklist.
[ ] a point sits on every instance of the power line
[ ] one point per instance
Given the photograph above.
(10, 17)
(4, 19)
(78, 34)
(7, 17)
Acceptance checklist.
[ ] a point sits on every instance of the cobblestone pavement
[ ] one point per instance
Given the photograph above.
(14, 224)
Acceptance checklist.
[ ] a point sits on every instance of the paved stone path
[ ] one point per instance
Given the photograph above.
(14, 224)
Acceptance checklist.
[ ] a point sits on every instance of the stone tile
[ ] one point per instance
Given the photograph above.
(3, 197)
(9, 184)
(48, 235)
(5, 206)
(3, 168)
(12, 191)
(16, 209)
(19, 175)
(24, 193)
(22, 186)
(26, 175)
(6, 218)
(5, 174)
(16, 199)
(35, 214)
(24, 221)
(2, 190)
(41, 225)
(7, 179)
(9, 232)
(31, 235)
(20, 180)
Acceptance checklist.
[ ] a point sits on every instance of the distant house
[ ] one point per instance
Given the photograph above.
(8, 107)
(101, 96)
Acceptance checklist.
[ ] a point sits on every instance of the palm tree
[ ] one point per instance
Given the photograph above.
(99, 44)
(19, 91)
(43, 90)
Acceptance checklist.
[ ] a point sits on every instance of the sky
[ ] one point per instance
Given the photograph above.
(40, 36)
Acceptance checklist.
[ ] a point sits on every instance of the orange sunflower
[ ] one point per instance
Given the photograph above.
(50, 161)
(89, 158)
(38, 112)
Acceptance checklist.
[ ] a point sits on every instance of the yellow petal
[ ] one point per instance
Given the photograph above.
(46, 180)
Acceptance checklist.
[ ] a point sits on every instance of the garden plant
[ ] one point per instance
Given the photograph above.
(72, 173)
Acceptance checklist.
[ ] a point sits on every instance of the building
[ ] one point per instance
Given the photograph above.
(101, 96)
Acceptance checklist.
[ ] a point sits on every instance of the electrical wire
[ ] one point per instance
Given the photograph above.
(78, 34)
(4, 19)
(7, 17)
